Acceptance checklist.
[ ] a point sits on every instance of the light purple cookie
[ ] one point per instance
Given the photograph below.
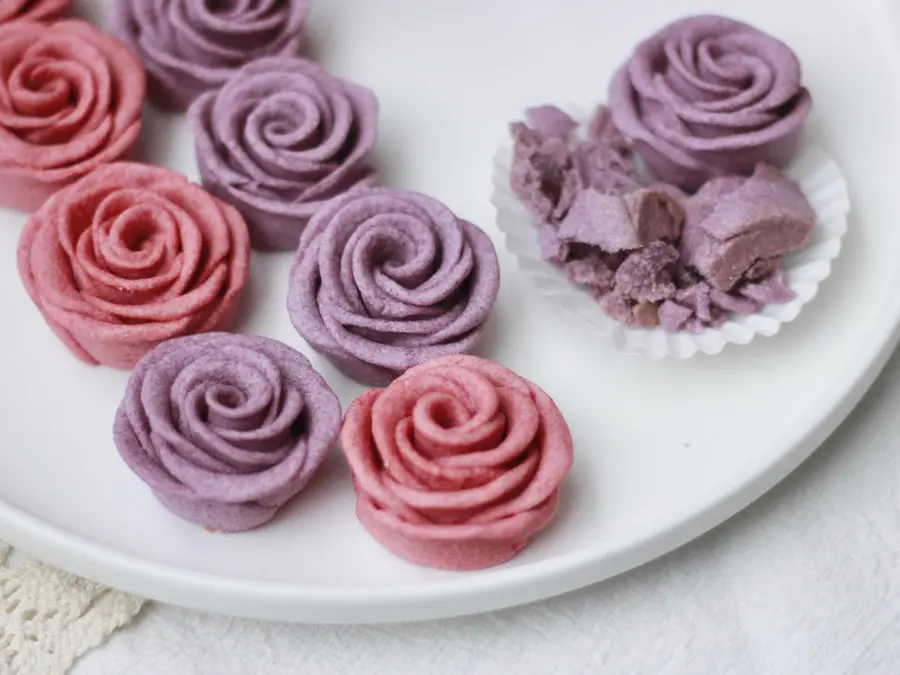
(551, 167)
(549, 121)
(648, 252)
(616, 223)
(224, 428)
(191, 46)
(282, 137)
(385, 279)
(646, 275)
(543, 174)
(641, 282)
(602, 129)
(708, 96)
(697, 305)
(734, 223)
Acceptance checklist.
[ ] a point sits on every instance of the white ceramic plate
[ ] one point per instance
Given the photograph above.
(664, 450)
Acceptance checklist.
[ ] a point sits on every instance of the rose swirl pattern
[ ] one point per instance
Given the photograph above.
(385, 279)
(224, 428)
(70, 101)
(190, 46)
(132, 255)
(458, 463)
(708, 96)
(282, 137)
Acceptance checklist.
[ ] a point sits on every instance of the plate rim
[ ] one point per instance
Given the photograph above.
(458, 596)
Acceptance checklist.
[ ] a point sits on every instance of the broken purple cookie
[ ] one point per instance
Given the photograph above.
(543, 173)
(649, 253)
(621, 222)
(733, 223)
(645, 278)
(551, 165)
(550, 121)
(586, 189)
(701, 306)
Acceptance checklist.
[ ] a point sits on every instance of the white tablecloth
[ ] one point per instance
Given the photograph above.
(805, 582)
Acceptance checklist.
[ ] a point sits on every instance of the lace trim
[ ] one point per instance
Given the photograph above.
(48, 618)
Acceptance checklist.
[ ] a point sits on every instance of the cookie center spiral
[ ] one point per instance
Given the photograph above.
(727, 67)
(286, 120)
(40, 87)
(131, 238)
(225, 397)
(455, 416)
(56, 90)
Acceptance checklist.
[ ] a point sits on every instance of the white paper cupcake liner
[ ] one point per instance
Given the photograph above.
(821, 181)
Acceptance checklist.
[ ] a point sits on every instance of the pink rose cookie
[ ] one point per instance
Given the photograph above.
(280, 139)
(457, 463)
(34, 10)
(130, 256)
(224, 428)
(70, 101)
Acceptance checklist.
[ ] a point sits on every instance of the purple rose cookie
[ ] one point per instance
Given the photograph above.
(225, 428)
(191, 46)
(385, 279)
(281, 138)
(708, 96)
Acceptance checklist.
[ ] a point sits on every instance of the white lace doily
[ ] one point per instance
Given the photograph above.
(48, 618)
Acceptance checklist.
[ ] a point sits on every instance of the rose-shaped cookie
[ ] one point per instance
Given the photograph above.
(281, 138)
(70, 101)
(34, 10)
(192, 46)
(385, 279)
(225, 429)
(458, 463)
(707, 96)
(130, 256)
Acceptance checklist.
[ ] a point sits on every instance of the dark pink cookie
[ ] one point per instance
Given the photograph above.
(192, 46)
(458, 463)
(33, 10)
(280, 139)
(386, 279)
(130, 256)
(707, 96)
(70, 101)
(225, 429)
